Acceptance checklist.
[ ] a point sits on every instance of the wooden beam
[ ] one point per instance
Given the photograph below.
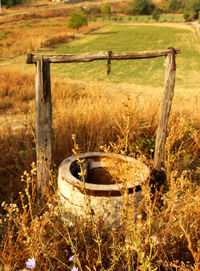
(44, 107)
(87, 57)
(43, 125)
(170, 75)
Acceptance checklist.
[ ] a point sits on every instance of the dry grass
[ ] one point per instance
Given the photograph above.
(38, 28)
(34, 37)
(96, 118)
(167, 233)
(168, 237)
(18, 93)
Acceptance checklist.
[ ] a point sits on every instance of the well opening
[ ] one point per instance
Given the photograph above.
(100, 176)
(92, 174)
(103, 170)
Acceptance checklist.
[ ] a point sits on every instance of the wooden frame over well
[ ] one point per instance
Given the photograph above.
(44, 106)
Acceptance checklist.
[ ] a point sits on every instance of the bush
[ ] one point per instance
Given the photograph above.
(175, 5)
(115, 19)
(11, 3)
(192, 8)
(105, 9)
(156, 15)
(186, 15)
(77, 20)
(141, 7)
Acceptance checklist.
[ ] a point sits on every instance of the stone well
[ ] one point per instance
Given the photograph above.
(106, 176)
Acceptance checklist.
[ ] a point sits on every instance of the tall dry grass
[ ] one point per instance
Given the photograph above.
(168, 237)
(167, 233)
(96, 114)
(43, 28)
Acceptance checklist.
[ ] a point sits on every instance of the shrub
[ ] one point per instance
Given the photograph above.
(192, 8)
(156, 15)
(142, 7)
(115, 19)
(11, 3)
(105, 9)
(186, 15)
(175, 5)
(77, 20)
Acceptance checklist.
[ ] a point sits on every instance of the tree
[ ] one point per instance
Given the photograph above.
(192, 8)
(105, 9)
(141, 7)
(175, 5)
(77, 20)
(156, 15)
(10, 3)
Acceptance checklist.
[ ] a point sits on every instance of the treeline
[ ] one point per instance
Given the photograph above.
(190, 8)
(10, 3)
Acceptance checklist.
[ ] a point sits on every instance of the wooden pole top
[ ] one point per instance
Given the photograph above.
(88, 57)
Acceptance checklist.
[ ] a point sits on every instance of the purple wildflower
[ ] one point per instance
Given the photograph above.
(74, 269)
(71, 258)
(31, 263)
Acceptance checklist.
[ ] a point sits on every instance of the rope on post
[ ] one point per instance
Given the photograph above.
(109, 62)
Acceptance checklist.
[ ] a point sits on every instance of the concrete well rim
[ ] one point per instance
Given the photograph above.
(100, 189)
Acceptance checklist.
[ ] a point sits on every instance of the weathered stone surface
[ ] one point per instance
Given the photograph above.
(101, 197)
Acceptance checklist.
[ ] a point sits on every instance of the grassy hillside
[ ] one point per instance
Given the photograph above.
(129, 38)
(119, 38)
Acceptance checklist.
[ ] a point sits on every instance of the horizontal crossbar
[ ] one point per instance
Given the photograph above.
(88, 57)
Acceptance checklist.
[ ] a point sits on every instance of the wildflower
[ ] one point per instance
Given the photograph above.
(71, 258)
(155, 240)
(31, 263)
(71, 224)
(74, 269)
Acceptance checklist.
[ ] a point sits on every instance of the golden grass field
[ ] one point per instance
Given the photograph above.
(97, 112)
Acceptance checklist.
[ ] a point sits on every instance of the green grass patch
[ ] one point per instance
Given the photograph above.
(171, 18)
(134, 38)
(140, 18)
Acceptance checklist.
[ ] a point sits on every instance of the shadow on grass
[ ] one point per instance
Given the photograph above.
(17, 154)
(101, 33)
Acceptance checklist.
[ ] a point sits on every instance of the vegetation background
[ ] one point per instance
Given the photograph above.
(100, 111)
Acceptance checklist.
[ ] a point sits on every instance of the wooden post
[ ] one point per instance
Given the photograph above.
(170, 74)
(43, 124)
(43, 102)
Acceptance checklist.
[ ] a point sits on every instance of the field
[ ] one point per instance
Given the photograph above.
(116, 113)
(130, 38)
